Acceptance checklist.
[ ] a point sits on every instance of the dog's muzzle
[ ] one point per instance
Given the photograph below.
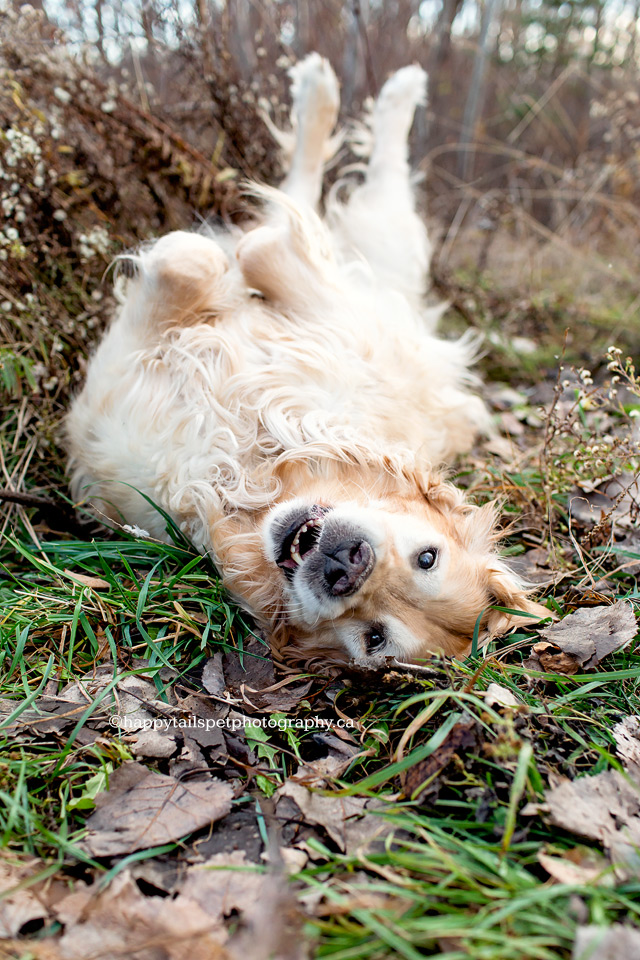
(329, 552)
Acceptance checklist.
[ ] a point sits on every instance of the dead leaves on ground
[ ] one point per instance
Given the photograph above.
(617, 942)
(204, 898)
(583, 639)
(349, 821)
(604, 808)
(420, 780)
(197, 887)
(121, 921)
(144, 809)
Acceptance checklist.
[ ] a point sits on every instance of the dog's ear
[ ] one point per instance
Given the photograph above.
(506, 590)
(480, 532)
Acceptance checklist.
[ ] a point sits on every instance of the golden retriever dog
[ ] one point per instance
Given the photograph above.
(280, 393)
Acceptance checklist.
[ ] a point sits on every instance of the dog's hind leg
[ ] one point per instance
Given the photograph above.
(316, 102)
(379, 221)
(289, 258)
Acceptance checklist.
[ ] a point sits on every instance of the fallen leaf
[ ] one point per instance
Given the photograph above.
(578, 867)
(495, 694)
(420, 779)
(189, 760)
(339, 755)
(591, 596)
(617, 942)
(255, 668)
(584, 638)
(605, 808)
(550, 658)
(616, 499)
(213, 676)
(21, 906)
(294, 859)
(143, 809)
(122, 922)
(347, 820)
(627, 737)
(204, 728)
(153, 743)
(254, 681)
(95, 582)
(533, 567)
(226, 883)
(39, 721)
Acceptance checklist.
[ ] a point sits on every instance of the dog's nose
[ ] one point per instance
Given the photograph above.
(347, 566)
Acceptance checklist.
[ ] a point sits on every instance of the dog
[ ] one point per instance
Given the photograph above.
(280, 393)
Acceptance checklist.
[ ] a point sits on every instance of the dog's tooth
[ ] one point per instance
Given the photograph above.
(303, 529)
(296, 556)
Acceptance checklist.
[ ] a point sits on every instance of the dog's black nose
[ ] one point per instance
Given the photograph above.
(347, 566)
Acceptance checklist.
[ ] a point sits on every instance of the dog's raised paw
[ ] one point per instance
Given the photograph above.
(315, 90)
(406, 87)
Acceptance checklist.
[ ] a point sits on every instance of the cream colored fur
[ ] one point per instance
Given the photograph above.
(295, 362)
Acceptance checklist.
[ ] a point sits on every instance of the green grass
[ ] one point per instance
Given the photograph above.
(462, 873)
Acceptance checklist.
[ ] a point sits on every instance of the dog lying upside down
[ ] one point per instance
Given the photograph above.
(281, 394)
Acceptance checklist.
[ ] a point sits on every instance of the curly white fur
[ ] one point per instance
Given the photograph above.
(245, 368)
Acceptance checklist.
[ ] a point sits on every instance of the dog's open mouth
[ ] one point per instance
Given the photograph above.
(300, 539)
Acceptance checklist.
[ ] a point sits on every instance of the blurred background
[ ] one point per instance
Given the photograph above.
(123, 119)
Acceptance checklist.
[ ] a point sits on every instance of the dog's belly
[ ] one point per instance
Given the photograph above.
(198, 420)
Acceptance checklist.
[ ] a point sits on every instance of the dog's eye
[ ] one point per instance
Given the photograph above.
(375, 639)
(427, 558)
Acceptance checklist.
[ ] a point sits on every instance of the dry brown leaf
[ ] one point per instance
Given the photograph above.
(578, 866)
(627, 737)
(213, 675)
(226, 883)
(340, 754)
(143, 809)
(153, 743)
(22, 906)
(95, 582)
(605, 808)
(618, 942)
(462, 737)
(122, 922)
(254, 681)
(533, 567)
(347, 820)
(584, 638)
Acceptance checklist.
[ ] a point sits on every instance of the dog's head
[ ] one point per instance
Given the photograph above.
(405, 575)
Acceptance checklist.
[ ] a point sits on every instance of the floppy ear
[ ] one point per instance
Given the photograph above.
(479, 532)
(506, 590)
(481, 535)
